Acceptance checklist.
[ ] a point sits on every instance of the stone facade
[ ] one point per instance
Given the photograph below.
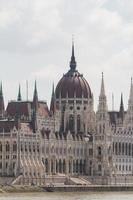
(70, 138)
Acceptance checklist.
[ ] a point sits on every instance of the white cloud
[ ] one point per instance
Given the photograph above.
(35, 39)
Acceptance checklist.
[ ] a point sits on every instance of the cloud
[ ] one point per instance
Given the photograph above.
(35, 42)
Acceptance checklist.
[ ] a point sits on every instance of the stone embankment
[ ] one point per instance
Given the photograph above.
(65, 188)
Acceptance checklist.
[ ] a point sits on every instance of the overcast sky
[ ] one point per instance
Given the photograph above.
(35, 43)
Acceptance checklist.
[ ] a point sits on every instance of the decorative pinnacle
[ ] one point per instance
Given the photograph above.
(19, 94)
(73, 62)
(1, 90)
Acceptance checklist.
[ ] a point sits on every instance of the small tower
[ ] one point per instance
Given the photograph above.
(35, 98)
(102, 146)
(102, 107)
(121, 111)
(2, 107)
(129, 115)
(19, 94)
(52, 104)
(35, 109)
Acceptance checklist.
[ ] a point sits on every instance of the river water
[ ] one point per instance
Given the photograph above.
(69, 196)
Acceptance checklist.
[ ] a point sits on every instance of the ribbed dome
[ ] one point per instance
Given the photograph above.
(73, 84)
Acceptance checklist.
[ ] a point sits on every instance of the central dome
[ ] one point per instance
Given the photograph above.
(73, 84)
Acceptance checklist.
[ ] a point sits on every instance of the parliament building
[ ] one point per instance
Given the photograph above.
(69, 142)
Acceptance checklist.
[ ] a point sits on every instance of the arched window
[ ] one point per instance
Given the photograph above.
(78, 123)
(119, 148)
(100, 129)
(71, 123)
(129, 150)
(122, 148)
(14, 146)
(126, 149)
(0, 146)
(99, 168)
(99, 151)
(46, 165)
(116, 149)
(7, 146)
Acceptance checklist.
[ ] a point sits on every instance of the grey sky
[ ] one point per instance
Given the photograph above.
(35, 43)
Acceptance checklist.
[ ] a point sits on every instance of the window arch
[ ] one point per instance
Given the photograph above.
(14, 146)
(71, 123)
(99, 151)
(7, 146)
(78, 123)
(1, 146)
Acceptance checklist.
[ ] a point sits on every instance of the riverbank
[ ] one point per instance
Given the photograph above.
(66, 188)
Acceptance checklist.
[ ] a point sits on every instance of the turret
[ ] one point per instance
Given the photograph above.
(121, 111)
(35, 98)
(102, 107)
(35, 109)
(52, 104)
(129, 115)
(19, 94)
(2, 107)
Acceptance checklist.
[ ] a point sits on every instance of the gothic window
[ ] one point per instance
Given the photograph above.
(116, 149)
(99, 151)
(14, 146)
(62, 123)
(7, 146)
(99, 168)
(113, 147)
(122, 148)
(52, 166)
(119, 148)
(46, 165)
(38, 147)
(132, 149)
(100, 129)
(78, 123)
(129, 151)
(0, 146)
(0, 165)
(71, 123)
(126, 148)
(64, 166)
(13, 165)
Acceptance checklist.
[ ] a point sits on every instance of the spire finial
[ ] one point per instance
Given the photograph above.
(121, 111)
(19, 94)
(52, 104)
(1, 90)
(102, 86)
(73, 62)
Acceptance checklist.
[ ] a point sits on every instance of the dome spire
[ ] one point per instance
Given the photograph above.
(72, 62)
(19, 94)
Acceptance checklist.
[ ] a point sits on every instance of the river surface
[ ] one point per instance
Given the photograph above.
(69, 196)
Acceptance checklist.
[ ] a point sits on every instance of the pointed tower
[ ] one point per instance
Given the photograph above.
(52, 104)
(121, 111)
(2, 107)
(102, 107)
(35, 109)
(19, 94)
(102, 141)
(73, 62)
(129, 115)
(35, 98)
